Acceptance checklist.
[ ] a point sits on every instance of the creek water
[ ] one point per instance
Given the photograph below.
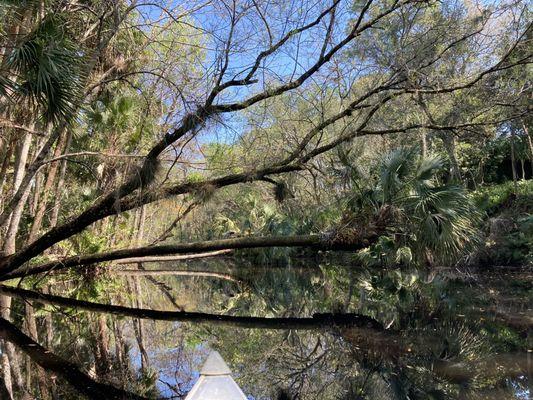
(314, 330)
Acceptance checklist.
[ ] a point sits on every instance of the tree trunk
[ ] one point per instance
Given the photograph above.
(50, 180)
(102, 355)
(136, 260)
(4, 391)
(5, 304)
(3, 170)
(513, 162)
(311, 241)
(21, 159)
(316, 321)
(172, 272)
(11, 234)
(32, 332)
(423, 136)
(60, 184)
(449, 142)
(530, 143)
(37, 181)
(10, 364)
(139, 225)
(138, 324)
(12, 223)
(121, 350)
(34, 200)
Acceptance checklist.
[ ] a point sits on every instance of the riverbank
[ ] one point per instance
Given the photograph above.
(507, 231)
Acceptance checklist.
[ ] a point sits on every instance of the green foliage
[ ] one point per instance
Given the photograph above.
(387, 295)
(111, 113)
(494, 158)
(195, 177)
(259, 212)
(434, 221)
(117, 119)
(491, 199)
(258, 218)
(384, 252)
(516, 246)
(222, 158)
(509, 228)
(48, 67)
(88, 243)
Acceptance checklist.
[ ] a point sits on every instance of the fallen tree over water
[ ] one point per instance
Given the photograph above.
(347, 238)
(135, 260)
(354, 235)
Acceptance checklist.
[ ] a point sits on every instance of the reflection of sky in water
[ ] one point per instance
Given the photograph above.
(167, 376)
(177, 362)
(264, 361)
(520, 392)
(172, 368)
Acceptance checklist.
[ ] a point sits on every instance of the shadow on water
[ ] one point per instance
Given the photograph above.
(309, 331)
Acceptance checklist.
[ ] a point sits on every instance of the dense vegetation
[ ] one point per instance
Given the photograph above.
(396, 131)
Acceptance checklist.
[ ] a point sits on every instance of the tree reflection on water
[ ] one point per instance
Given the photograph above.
(305, 332)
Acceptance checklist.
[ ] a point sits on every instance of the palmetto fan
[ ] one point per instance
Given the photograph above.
(44, 70)
(432, 216)
(441, 216)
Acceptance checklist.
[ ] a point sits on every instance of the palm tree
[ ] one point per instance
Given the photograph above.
(43, 67)
(434, 222)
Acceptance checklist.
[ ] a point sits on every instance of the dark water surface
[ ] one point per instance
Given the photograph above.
(315, 330)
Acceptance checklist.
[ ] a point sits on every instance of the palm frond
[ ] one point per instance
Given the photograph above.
(428, 166)
(47, 65)
(7, 86)
(395, 169)
(436, 219)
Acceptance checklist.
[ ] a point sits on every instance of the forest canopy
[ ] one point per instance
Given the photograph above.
(114, 107)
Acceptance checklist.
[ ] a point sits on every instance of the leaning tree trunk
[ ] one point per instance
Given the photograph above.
(13, 228)
(60, 184)
(345, 239)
